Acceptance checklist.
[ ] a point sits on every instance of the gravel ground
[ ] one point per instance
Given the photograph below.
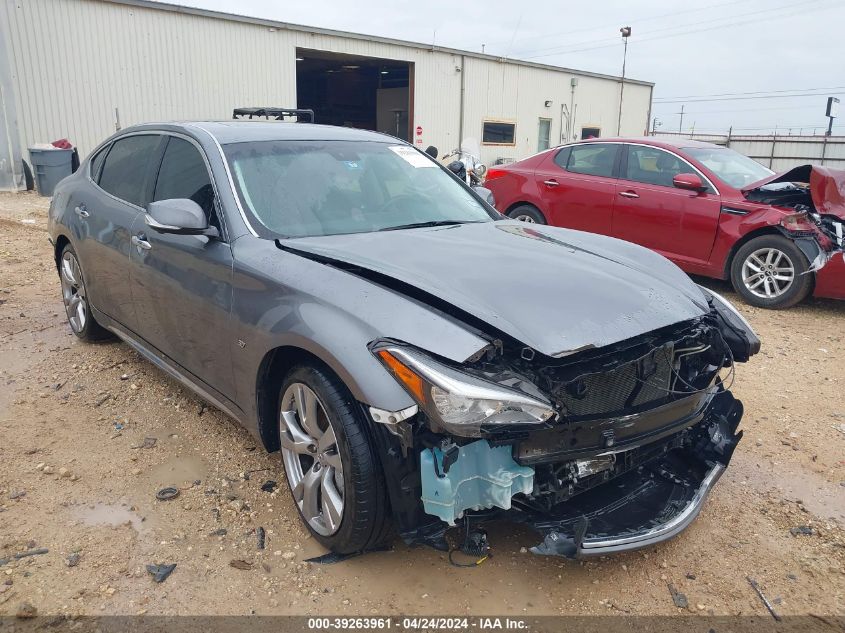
(88, 433)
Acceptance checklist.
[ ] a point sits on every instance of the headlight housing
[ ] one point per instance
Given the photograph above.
(457, 402)
(736, 329)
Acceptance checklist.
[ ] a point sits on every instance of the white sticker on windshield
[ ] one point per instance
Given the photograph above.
(412, 156)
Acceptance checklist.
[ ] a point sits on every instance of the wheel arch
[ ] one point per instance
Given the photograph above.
(61, 241)
(764, 230)
(277, 363)
(272, 370)
(525, 203)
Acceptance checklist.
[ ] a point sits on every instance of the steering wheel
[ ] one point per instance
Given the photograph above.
(405, 197)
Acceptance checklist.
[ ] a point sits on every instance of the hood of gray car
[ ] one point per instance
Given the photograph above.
(555, 290)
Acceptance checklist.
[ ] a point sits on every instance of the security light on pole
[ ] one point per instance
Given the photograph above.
(831, 113)
(626, 33)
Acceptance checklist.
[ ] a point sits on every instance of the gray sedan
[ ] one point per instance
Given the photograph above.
(419, 361)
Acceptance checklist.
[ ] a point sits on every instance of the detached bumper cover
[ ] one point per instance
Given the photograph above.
(663, 532)
(650, 504)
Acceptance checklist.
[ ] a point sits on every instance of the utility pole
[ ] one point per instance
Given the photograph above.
(626, 33)
(654, 125)
(681, 124)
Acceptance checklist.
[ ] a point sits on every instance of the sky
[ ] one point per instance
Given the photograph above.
(754, 65)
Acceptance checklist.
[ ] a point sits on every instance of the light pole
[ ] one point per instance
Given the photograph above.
(626, 33)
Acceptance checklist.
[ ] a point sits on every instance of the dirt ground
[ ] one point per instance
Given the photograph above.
(88, 433)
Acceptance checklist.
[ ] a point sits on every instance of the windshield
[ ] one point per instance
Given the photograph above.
(729, 166)
(309, 188)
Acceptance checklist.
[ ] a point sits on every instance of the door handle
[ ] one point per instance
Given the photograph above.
(141, 242)
(628, 194)
(551, 182)
(81, 211)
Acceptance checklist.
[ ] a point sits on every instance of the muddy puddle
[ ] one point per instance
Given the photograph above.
(110, 515)
(178, 471)
(819, 496)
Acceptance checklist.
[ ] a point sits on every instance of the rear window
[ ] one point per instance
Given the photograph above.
(126, 170)
(594, 159)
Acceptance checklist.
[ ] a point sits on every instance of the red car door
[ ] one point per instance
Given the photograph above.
(649, 210)
(577, 186)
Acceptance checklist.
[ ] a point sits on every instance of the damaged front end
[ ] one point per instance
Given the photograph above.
(816, 195)
(604, 450)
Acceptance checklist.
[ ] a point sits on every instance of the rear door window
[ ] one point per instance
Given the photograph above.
(127, 170)
(183, 174)
(97, 162)
(594, 159)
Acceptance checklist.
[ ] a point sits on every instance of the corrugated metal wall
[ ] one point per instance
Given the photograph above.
(780, 153)
(73, 62)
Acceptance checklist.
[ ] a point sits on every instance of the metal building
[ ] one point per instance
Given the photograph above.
(79, 69)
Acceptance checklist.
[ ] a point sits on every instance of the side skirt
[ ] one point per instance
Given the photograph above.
(170, 367)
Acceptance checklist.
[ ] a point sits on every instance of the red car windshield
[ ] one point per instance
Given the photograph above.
(729, 166)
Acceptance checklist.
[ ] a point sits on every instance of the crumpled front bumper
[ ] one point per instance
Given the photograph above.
(611, 545)
(650, 504)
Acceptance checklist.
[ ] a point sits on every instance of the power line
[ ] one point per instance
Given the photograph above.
(730, 19)
(704, 112)
(729, 24)
(759, 92)
(638, 21)
(820, 94)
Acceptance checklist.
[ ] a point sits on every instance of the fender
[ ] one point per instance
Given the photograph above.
(329, 309)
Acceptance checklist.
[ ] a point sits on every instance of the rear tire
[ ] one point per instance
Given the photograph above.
(75, 298)
(770, 271)
(527, 213)
(332, 469)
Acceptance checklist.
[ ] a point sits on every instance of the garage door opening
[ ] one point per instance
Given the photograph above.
(351, 91)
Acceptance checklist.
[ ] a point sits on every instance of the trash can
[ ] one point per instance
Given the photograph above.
(50, 165)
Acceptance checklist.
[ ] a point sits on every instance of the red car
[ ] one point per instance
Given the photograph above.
(709, 209)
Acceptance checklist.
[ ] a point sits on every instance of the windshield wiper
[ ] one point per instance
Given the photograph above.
(419, 225)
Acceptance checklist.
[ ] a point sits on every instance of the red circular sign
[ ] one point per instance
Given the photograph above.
(419, 130)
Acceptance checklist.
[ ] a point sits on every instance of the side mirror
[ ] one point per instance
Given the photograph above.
(486, 195)
(179, 216)
(690, 182)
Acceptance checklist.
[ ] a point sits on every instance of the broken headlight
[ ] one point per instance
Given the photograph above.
(457, 402)
(735, 328)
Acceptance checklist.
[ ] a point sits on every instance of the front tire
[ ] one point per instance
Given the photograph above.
(75, 298)
(770, 271)
(333, 471)
(527, 213)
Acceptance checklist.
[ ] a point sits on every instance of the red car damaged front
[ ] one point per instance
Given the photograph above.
(815, 197)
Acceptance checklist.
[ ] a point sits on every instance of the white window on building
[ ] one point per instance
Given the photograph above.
(544, 135)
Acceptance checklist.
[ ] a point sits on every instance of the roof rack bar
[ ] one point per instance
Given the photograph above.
(278, 114)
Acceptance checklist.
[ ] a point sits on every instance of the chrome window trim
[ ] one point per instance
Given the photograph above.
(161, 132)
(693, 167)
(679, 157)
(232, 188)
(112, 141)
(195, 143)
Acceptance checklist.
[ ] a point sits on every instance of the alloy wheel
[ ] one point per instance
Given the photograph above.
(768, 273)
(311, 458)
(525, 218)
(73, 292)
